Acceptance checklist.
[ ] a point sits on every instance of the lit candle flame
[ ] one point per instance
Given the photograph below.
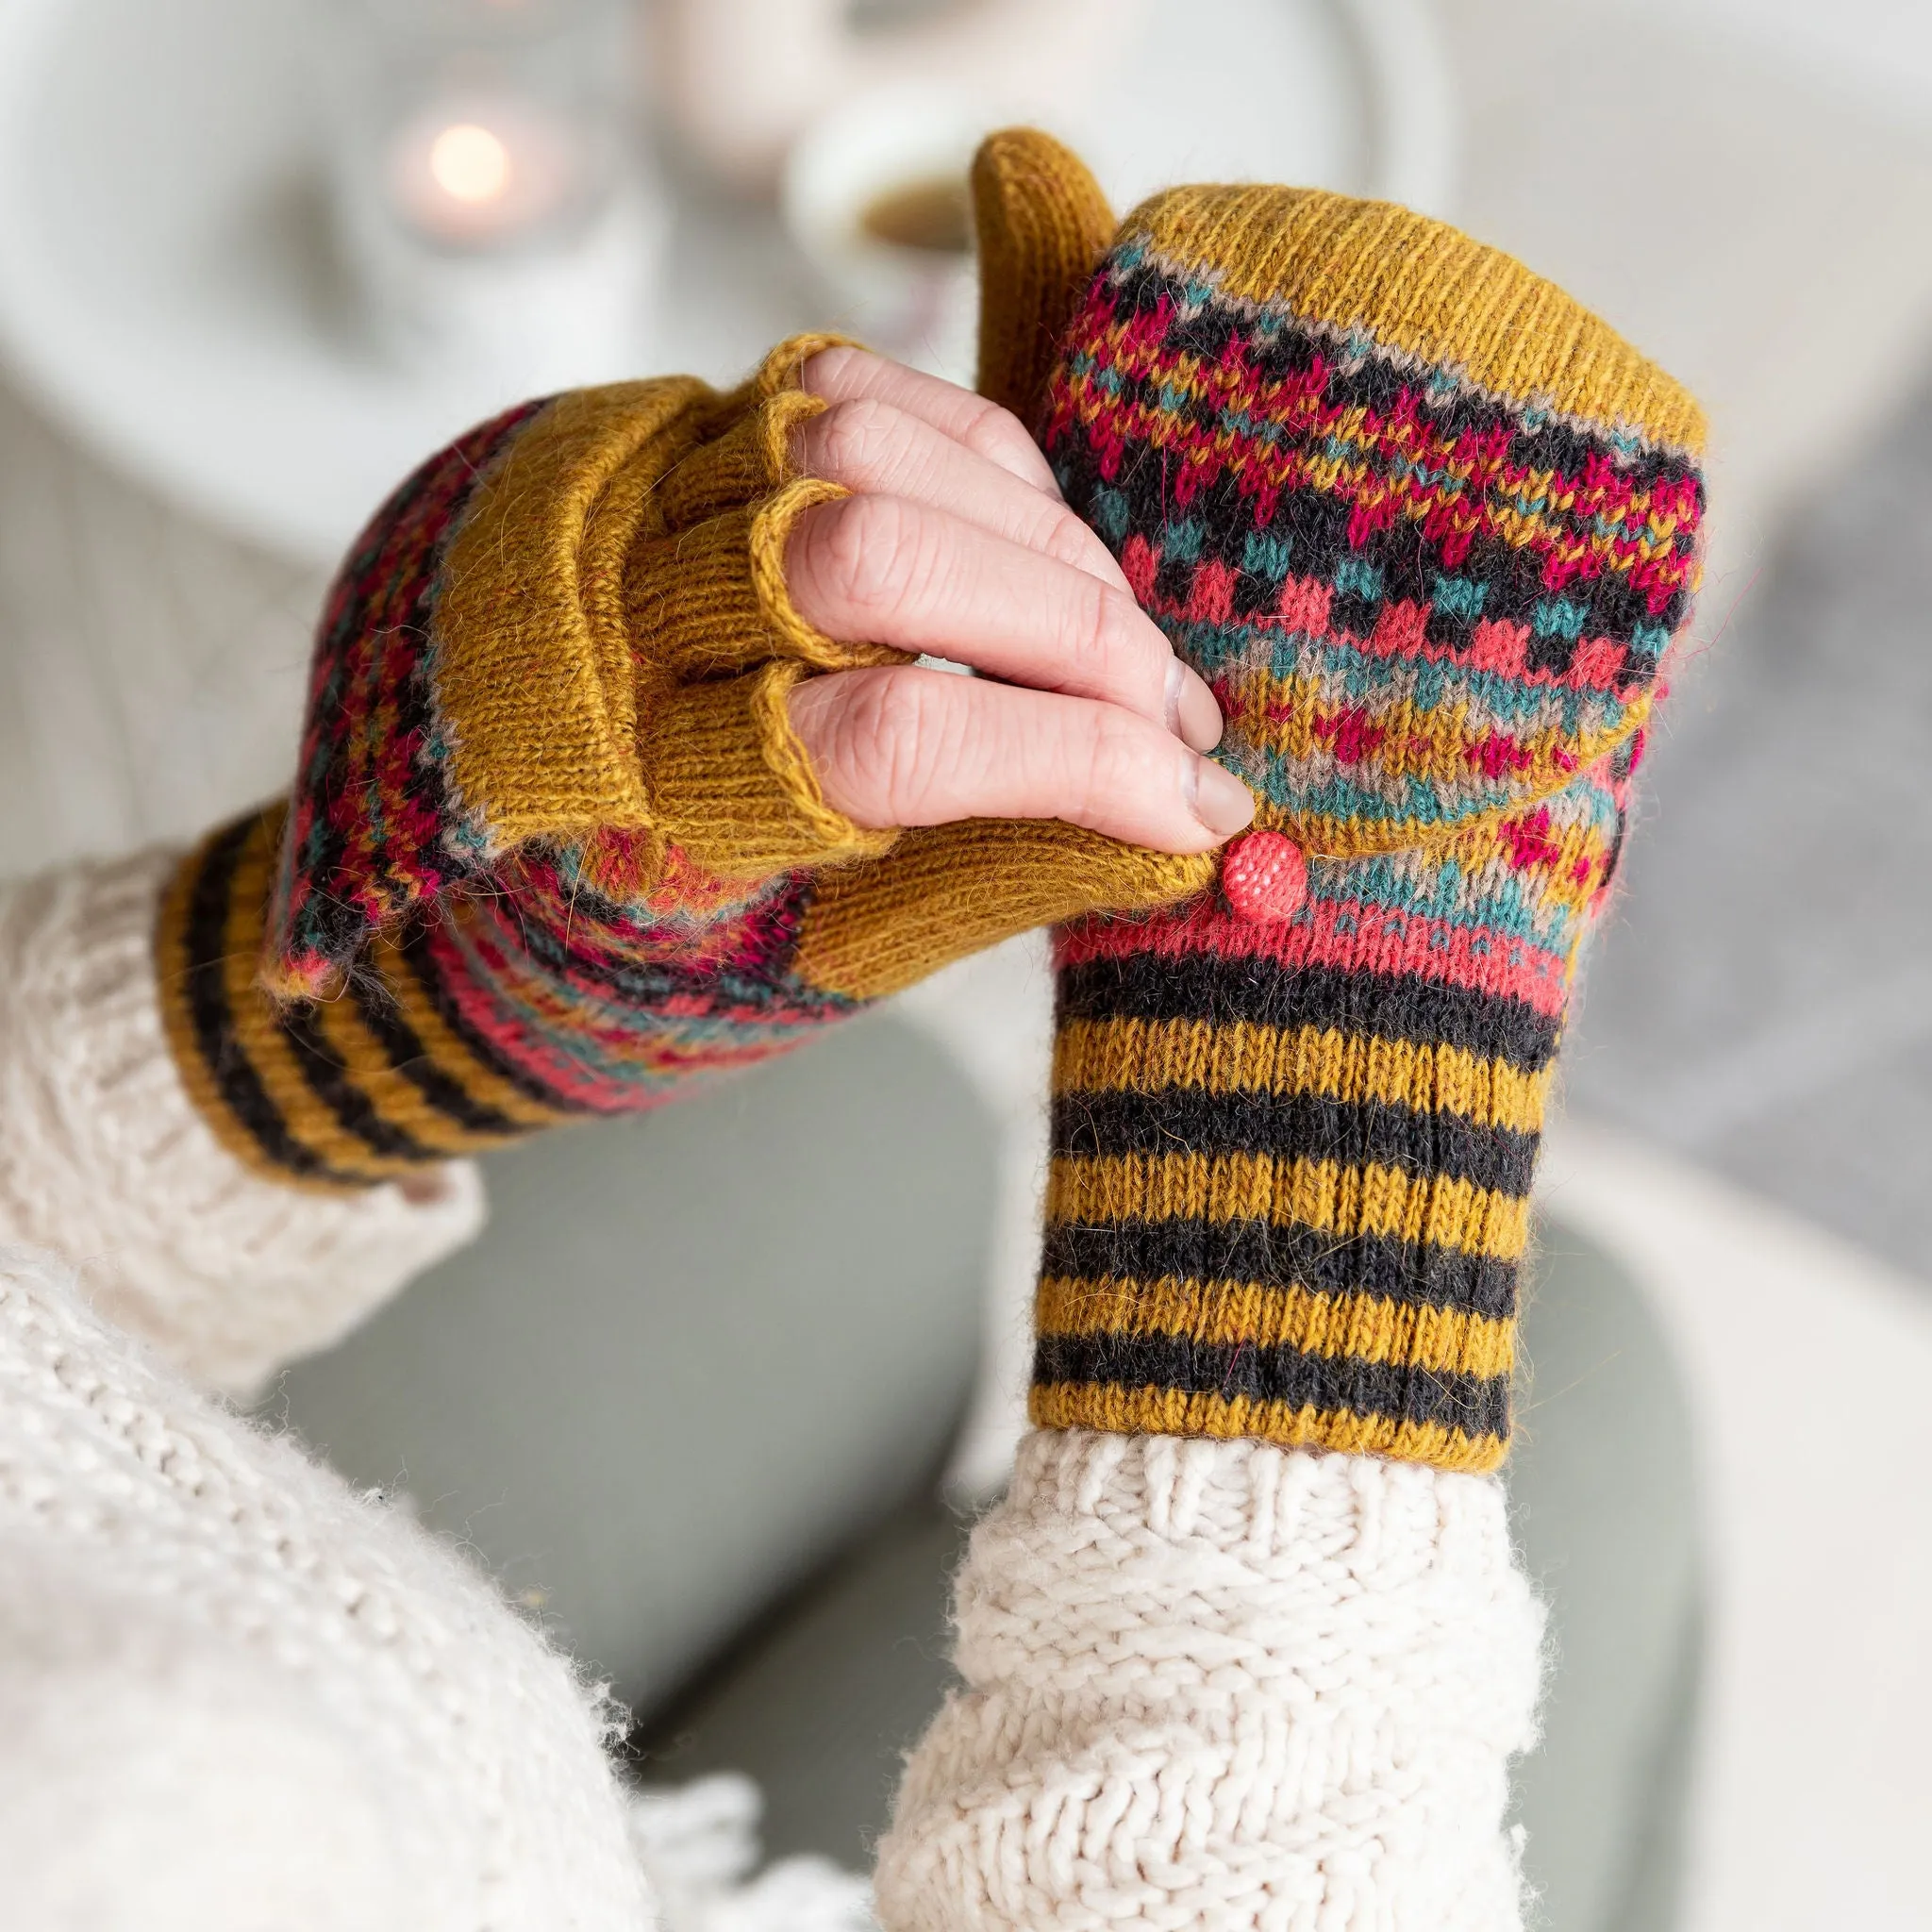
(469, 163)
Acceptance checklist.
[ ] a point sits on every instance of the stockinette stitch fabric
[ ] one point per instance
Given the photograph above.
(553, 851)
(1428, 527)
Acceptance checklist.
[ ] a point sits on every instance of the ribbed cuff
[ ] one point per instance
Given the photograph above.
(711, 599)
(1290, 1192)
(949, 890)
(1382, 272)
(734, 786)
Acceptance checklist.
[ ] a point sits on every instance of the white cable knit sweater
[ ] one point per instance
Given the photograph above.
(1221, 1684)
(1213, 1684)
(104, 1160)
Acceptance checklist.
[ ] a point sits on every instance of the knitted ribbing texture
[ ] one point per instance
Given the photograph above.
(1042, 223)
(1211, 1686)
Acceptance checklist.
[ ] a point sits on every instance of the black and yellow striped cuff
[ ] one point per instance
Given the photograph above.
(1308, 1231)
(339, 1094)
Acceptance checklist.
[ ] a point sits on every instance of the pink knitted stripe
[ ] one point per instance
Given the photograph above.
(1348, 936)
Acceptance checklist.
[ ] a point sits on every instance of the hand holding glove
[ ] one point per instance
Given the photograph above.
(614, 743)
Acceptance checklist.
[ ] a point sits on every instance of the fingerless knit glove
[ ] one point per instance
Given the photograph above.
(553, 850)
(1428, 527)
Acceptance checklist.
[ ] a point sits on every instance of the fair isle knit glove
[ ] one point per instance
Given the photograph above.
(553, 851)
(1244, 1646)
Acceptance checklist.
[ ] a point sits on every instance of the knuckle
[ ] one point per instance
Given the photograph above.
(888, 742)
(1102, 644)
(1130, 655)
(866, 552)
(856, 442)
(1118, 766)
(1067, 540)
(998, 434)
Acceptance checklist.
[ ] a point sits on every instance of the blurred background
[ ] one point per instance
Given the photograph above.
(718, 1389)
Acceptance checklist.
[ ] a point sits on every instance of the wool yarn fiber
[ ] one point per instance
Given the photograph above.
(1428, 527)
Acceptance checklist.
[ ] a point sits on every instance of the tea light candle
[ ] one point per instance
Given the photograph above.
(496, 218)
(484, 175)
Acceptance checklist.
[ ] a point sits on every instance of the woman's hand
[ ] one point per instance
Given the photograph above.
(954, 541)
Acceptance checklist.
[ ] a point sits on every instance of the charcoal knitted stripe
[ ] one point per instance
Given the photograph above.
(1413, 1274)
(332, 1083)
(1366, 1327)
(1477, 1406)
(414, 1062)
(243, 1098)
(1153, 985)
(1423, 1144)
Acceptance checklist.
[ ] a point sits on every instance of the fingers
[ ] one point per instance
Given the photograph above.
(908, 746)
(872, 447)
(955, 542)
(889, 571)
(984, 428)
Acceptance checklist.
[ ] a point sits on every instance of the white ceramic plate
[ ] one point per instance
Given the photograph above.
(166, 287)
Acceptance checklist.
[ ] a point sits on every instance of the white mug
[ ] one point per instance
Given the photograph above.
(897, 146)
(739, 81)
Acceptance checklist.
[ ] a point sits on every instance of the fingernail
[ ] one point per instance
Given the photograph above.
(1192, 715)
(1218, 799)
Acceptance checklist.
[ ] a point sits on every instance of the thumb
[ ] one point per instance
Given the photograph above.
(1043, 225)
(947, 891)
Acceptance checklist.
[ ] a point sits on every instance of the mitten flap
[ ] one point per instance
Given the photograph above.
(1426, 588)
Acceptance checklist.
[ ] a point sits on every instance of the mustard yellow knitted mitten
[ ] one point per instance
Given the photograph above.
(1428, 527)
(552, 850)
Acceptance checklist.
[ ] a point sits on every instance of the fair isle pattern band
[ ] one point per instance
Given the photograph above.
(367, 832)
(475, 1023)
(1433, 600)
(1289, 1193)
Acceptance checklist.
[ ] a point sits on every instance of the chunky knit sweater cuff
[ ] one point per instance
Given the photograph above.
(233, 1693)
(1224, 1685)
(107, 1162)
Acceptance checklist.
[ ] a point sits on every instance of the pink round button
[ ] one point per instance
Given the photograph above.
(1264, 878)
